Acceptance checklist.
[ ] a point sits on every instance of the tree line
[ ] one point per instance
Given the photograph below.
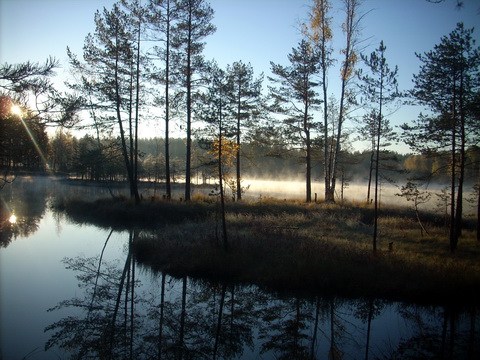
(145, 60)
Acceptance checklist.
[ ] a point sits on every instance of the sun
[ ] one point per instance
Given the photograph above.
(12, 219)
(16, 110)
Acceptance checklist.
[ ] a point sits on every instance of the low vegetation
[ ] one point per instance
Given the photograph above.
(292, 246)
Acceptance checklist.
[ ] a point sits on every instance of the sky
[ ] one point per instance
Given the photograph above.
(254, 31)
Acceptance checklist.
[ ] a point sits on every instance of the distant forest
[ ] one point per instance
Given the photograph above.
(81, 158)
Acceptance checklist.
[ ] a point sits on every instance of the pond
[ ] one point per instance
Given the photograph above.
(77, 291)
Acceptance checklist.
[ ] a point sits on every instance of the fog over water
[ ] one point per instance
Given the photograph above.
(294, 189)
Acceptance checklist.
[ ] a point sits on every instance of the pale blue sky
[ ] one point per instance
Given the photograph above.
(255, 31)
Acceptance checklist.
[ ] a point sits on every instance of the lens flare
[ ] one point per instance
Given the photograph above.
(16, 110)
(12, 219)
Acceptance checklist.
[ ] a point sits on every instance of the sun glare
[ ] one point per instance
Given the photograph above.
(13, 219)
(16, 110)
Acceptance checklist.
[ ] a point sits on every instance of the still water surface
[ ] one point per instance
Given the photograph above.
(66, 292)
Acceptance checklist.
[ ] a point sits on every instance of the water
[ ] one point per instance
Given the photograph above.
(59, 296)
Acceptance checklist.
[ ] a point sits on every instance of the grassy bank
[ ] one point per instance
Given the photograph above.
(291, 246)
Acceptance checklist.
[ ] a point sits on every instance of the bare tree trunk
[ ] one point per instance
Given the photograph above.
(167, 106)
(453, 242)
(127, 160)
(137, 104)
(189, 110)
(220, 177)
(348, 62)
(461, 178)
(377, 165)
(239, 185)
(370, 171)
(308, 159)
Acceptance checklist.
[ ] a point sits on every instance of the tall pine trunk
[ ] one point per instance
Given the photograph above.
(239, 185)
(127, 160)
(189, 109)
(453, 242)
(370, 171)
(168, 186)
(461, 177)
(137, 104)
(220, 179)
(308, 159)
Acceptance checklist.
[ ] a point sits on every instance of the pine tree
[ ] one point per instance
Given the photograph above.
(214, 109)
(448, 84)
(380, 88)
(162, 16)
(295, 98)
(112, 57)
(193, 26)
(245, 95)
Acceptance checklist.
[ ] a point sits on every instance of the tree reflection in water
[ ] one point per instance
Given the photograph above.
(115, 316)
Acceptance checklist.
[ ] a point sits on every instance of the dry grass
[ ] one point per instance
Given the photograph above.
(313, 248)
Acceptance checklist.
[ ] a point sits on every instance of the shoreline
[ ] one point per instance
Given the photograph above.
(288, 246)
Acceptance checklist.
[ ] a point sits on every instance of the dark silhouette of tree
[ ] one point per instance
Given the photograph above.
(448, 84)
(319, 32)
(285, 334)
(26, 82)
(411, 193)
(23, 140)
(162, 16)
(295, 98)
(245, 94)
(214, 110)
(112, 64)
(193, 26)
(368, 132)
(99, 331)
(380, 88)
(351, 29)
(20, 84)
(367, 310)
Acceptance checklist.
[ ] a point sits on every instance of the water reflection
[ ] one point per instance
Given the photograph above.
(23, 201)
(28, 198)
(126, 311)
(123, 310)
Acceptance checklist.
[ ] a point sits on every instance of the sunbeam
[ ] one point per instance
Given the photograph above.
(16, 110)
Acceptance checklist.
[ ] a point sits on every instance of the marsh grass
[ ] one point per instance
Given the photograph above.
(122, 214)
(292, 246)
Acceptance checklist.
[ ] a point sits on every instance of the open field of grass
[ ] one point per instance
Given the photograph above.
(293, 246)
